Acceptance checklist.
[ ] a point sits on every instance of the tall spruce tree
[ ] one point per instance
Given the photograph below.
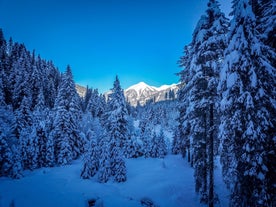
(21, 87)
(105, 171)
(94, 104)
(7, 137)
(66, 134)
(265, 15)
(117, 116)
(202, 63)
(117, 127)
(248, 109)
(9, 164)
(91, 160)
(62, 134)
(39, 127)
(23, 115)
(181, 139)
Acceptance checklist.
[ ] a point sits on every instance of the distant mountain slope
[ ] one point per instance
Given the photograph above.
(81, 90)
(141, 93)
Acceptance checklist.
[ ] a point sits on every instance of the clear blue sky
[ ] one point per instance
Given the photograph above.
(138, 40)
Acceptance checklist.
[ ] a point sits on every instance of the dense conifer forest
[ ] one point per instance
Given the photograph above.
(225, 109)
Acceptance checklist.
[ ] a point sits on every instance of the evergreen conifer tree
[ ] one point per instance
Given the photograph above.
(50, 153)
(146, 138)
(29, 148)
(117, 128)
(117, 116)
(248, 112)
(23, 115)
(61, 135)
(66, 134)
(120, 168)
(91, 161)
(7, 136)
(203, 62)
(6, 161)
(162, 147)
(105, 171)
(17, 168)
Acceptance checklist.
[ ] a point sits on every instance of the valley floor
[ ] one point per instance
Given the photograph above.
(167, 182)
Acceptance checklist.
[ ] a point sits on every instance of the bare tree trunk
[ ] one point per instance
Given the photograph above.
(211, 158)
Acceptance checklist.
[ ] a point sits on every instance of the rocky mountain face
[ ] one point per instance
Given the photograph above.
(141, 93)
(81, 90)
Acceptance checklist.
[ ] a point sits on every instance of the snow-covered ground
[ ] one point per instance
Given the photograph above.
(167, 182)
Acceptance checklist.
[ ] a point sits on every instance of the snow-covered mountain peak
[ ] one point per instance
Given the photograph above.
(140, 87)
(142, 92)
(165, 87)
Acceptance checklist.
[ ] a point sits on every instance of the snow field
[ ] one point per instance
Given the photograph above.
(167, 182)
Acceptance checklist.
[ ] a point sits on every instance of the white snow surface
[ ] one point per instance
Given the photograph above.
(141, 86)
(165, 87)
(167, 182)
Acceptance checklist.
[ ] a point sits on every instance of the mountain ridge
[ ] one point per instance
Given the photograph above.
(141, 93)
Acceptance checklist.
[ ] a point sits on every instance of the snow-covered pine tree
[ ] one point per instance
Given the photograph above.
(24, 76)
(29, 148)
(3, 44)
(6, 161)
(86, 98)
(77, 141)
(119, 167)
(265, 14)
(21, 87)
(203, 63)
(94, 104)
(2, 96)
(23, 115)
(5, 67)
(158, 147)
(40, 133)
(181, 141)
(91, 160)
(27, 140)
(66, 134)
(117, 116)
(36, 81)
(146, 138)
(11, 72)
(39, 127)
(7, 135)
(162, 147)
(117, 128)
(135, 147)
(143, 123)
(248, 127)
(176, 143)
(154, 146)
(211, 55)
(105, 171)
(51, 81)
(183, 104)
(10, 157)
(17, 168)
(50, 143)
(61, 135)
(96, 138)
(131, 148)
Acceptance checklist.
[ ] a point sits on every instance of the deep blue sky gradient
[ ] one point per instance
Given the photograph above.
(138, 40)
